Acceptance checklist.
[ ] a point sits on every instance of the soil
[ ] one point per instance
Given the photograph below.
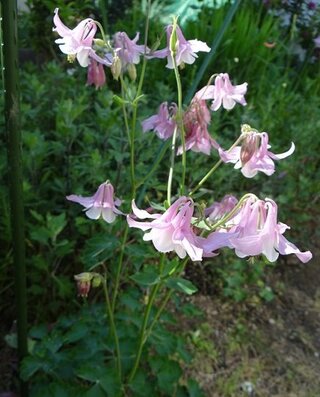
(262, 350)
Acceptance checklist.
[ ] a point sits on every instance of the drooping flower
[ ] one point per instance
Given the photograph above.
(185, 49)
(223, 93)
(257, 231)
(196, 120)
(254, 154)
(317, 42)
(77, 42)
(163, 123)
(96, 75)
(220, 208)
(170, 231)
(129, 51)
(102, 203)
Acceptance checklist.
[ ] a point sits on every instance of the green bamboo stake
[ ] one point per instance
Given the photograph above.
(12, 120)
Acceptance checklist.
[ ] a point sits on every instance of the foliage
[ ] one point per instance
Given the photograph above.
(70, 356)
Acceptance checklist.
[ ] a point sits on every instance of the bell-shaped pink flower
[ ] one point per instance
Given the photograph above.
(196, 120)
(163, 123)
(78, 41)
(254, 155)
(223, 93)
(96, 75)
(128, 50)
(102, 203)
(185, 49)
(258, 232)
(172, 230)
(219, 209)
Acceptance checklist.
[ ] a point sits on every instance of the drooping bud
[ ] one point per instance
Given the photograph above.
(132, 71)
(116, 67)
(96, 280)
(248, 147)
(83, 283)
(71, 58)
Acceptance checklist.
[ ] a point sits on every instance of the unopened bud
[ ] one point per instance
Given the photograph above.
(132, 71)
(83, 283)
(96, 280)
(71, 58)
(116, 67)
(99, 42)
(248, 147)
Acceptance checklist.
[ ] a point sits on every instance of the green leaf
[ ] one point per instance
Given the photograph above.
(95, 391)
(182, 285)
(29, 366)
(194, 389)
(149, 276)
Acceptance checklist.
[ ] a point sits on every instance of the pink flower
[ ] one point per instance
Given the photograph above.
(317, 42)
(129, 51)
(172, 230)
(185, 49)
(258, 232)
(223, 93)
(77, 42)
(96, 74)
(254, 154)
(101, 203)
(219, 209)
(163, 123)
(196, 120)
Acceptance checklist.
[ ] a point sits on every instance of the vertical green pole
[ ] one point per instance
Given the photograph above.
(12, 119)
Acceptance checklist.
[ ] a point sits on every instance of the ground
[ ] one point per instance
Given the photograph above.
(262, 350)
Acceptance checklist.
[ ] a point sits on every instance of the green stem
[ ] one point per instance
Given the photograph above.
(167, 297)
(180, 124)
(214, 46)
(143, 335)
(217, 164)
(103, 7)
(173, 154)
(233, 211)
(119, 267)
(112, 326)
(155, 164)
(135, 105)
(13, 131)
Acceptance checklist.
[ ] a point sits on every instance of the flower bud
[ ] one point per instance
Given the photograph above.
(96, 280)
(116, 67)
(132, 71)
(83, 283)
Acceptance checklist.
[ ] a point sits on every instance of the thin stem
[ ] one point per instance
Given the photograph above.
(119, 267)
(159, 157)
(167, 298)
(180, 123)
(143, 336)
(124, 109)
(112, 326)
(173, 149)
(233, 211)
(217, 164)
